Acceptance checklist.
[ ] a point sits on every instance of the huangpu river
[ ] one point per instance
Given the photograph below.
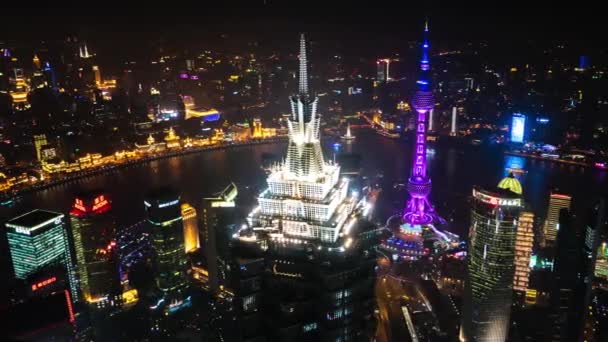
(454, 170)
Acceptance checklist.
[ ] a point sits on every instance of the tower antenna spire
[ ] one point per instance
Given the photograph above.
(303, 66)
(419, 209)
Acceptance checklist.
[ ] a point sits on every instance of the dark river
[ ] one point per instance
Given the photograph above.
(454, 171)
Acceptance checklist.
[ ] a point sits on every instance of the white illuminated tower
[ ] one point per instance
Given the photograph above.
(316, 245)
(305, 197)
(453, 125)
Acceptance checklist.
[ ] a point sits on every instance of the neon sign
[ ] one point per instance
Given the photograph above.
(168, 204)
(44, 283)
(505, 202)
(98, 204)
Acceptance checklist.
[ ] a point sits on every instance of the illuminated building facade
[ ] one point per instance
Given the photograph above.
(490, 264)
(557, 202)
(518, 128)
(94, 237)
(524, 242)
(305, 195)
(191, 237)
(320, 256)
(453, 124)
(164, 217)
(419, 210)
(219, 223)
(257, 128)
(383, 68)
(39, 142)
(38, 239)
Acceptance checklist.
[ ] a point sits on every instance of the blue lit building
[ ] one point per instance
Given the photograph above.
(518, 128)
(39, 239)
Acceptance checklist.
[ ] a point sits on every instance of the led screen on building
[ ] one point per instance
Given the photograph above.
(518, 125)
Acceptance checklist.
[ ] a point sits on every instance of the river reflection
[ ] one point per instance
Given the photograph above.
(454, 170)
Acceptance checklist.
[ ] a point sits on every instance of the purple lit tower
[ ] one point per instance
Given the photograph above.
(419, 210)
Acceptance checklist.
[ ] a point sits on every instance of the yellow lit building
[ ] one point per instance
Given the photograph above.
(257, 128)
(218, 135)
(557, 202)
(191, 237)
(151, 146)
(90, 160)
(172, 140)
(97, 74)
(524, 241)
(39, 142)
(402, 105)
(601, 263)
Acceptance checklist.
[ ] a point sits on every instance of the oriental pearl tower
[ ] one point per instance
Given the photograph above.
(419, 210)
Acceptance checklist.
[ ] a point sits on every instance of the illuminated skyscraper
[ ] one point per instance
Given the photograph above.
(524, 241)
(191, 237)
(453, 124)
(419, 210)
(94, 238)
(557, 202)
(219, 222)
(567, 297)
(490, 262)
(164, 216)
(38, 239)
(305, 191)
(318, 250)
(39, 142)
(383, 68)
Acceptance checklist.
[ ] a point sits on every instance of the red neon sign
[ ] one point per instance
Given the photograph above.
(68, 299)
(98, 205)
(44, 283)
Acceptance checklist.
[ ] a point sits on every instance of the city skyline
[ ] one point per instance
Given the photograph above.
(200, 185)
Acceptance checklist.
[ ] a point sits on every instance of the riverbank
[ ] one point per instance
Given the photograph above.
(555, 160)
(8, 197)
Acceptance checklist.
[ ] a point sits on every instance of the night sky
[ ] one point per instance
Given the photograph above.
(361, 26)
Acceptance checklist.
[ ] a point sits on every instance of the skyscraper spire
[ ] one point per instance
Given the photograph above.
(303, 66)
(419, 210)
(304, 156)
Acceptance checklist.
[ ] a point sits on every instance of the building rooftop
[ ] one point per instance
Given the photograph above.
(162, 194)
(34, 219)
(511, 183)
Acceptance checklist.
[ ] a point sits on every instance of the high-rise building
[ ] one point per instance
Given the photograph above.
(524, 242)
(383, 68)
(164, 216)
(319, 252)
(219, 223)
(490, 262)
(38, 239)
(453, 125)
(557, 202)
(567, 304)
(191, 237)
(39, 142)
(97, 75)
(419, 210)
(94, 238)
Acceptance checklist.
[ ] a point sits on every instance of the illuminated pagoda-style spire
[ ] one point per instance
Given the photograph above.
(304, 156)
(419, 210)
(304, 193)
